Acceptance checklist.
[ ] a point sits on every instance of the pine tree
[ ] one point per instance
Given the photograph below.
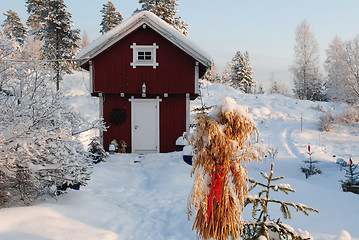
(110, 18)
(311, 169)
(263, 225)
(351, 177)
(261, 89)
(241, 72)
(275, 88)
(166, 10)
(96, 151)
(35, 20)
(60, 41)
(13, 28)
(307, 79)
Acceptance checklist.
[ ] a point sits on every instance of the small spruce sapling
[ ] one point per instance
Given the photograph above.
(264, 226)
(96, 152)
(351, 176)
(311, 169)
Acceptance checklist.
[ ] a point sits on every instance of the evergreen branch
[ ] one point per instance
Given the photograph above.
(277, 178)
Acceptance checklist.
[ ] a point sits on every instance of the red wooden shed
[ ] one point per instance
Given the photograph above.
(145, 73)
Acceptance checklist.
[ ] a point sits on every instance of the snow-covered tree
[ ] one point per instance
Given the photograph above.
(226, 75)
(351, 58)
(110, 18)
(60, 41)
(351, 176)
(337, 85)
(261, 88)
(96, 151)
(13, 28)
(311, 168)
(211, 74)
(9, 50)
(35, 20)
(38, 152)
(274, 85)
(241, 72)
(277, 88)
(85, 40)
(307, 79)
(32, 48)
(274, 88)
(263, 226)
(166, 10)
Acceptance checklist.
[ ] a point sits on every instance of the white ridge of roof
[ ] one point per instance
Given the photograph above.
(150, 19)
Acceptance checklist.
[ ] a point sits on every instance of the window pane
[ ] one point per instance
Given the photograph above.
(147, 55)
(142, 55)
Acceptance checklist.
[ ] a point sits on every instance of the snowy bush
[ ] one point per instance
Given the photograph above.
(38, 152)
(326, 121)
(350, 115)
(272, 151)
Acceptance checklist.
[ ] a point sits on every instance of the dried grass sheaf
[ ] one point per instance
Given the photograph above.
(221, 148)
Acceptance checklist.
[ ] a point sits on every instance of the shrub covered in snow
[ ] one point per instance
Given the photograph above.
(38, 152)
(326, 121)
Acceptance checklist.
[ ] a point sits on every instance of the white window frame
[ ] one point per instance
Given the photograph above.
(144, 48)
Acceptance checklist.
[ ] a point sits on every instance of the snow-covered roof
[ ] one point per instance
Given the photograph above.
(151, 20)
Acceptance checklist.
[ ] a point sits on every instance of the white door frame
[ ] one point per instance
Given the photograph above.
(157, 102)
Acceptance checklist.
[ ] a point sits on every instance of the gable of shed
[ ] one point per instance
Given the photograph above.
(114, 73)
(133, 23)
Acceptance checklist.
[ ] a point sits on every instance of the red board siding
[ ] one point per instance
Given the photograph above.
(172, 120)
(118, 132)
(174, 75)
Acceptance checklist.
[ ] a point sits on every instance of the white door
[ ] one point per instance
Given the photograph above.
(145, 125)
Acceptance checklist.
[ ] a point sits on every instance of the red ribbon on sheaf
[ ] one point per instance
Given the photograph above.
(216, 180)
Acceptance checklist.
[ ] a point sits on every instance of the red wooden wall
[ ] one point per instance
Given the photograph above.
(172, 120)
(113, 73)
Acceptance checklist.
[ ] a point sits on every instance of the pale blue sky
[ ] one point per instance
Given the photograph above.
(264, 28)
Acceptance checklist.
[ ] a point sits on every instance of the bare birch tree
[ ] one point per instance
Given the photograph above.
(307, 79)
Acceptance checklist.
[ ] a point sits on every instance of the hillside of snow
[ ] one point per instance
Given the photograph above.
(145, 197)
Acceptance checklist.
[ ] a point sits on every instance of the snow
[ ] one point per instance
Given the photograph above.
(145, 197)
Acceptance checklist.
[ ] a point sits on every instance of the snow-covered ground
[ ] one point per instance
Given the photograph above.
(133, 197)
